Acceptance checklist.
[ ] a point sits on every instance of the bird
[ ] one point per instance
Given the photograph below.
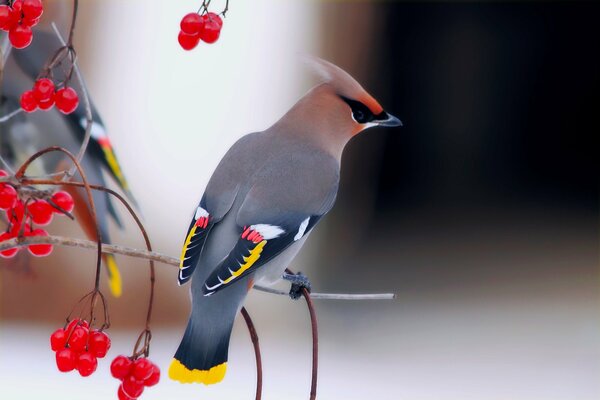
(27, 133)
(263, 200)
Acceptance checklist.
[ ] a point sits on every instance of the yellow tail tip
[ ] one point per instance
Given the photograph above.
(179, 372)
(114, 277)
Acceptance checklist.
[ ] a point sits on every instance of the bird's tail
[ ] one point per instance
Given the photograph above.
(114, 275)
(202, 353)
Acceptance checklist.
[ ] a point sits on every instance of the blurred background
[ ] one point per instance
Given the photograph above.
(481, 213)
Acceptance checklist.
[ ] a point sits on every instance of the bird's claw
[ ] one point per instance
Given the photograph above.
(299, 281)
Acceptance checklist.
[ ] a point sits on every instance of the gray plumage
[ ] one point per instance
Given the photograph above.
(263, 200)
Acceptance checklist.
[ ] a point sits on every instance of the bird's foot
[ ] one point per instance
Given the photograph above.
(299, 281)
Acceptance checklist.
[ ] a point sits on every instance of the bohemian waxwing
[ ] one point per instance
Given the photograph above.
(261, 203)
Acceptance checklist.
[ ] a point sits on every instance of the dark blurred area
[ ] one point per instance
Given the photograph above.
(499, 103)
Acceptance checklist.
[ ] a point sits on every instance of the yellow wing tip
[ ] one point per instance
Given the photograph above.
(179, 372)
(114, 277)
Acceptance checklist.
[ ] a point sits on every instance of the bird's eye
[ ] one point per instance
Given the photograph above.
(360, 112)
(359, 116)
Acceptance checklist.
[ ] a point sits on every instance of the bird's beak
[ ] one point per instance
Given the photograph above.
(387, 120)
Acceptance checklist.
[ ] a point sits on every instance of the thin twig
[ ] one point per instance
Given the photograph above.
(168, 260)
(11, 114)
(86, 104)
(254, 338)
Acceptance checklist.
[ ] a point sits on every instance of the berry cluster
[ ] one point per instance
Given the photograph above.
(18, 20)
(79, 347)
(22, 215)
(196, 27)
(134, 375)
(44, 95)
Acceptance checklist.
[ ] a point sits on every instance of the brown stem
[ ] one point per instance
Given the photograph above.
(73, 20)
(254, 338)
(19, 176)
(137, 221)
(315, 340)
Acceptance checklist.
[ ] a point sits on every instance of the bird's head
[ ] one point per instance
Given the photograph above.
(358, 109)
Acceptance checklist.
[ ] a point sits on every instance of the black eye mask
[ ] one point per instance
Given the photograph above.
(361, 113)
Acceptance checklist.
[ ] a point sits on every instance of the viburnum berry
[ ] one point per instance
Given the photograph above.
(58, 339)
(5, 17)
(64, 201)
(46, 105)
(41, 212)
(20, 36)
(32, 9)
(192, 24)
(154, 376)
(215, 18)
(77, 322)
(133, 387)
(79, 338)
(188, 42)
(28, 101)
(66, 100)
(142, 369)
(212, 28)
(39, 250)
(43, 89)
(122, 395)
(99, 344)
(8, 253)
(66, 360)
(86, 364)
(8, 196)
(120, 367)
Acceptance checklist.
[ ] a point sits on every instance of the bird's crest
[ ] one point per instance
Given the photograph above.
(342, 82)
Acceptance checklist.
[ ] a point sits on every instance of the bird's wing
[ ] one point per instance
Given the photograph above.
(284, 204)
(200, 227)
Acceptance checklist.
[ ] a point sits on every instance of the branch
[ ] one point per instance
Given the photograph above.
(86, 101)
(154, 256)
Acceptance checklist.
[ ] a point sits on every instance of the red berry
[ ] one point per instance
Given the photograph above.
(75, 322)
(99, 343)
(86, 364)
(58, 339)
(142, 369)
(120, 367)
(30, 22)
(5, 17)
(20, 36)
(122, 395)
(64, 201)
(32, 8)
(154, 377)
(8, 196)
(41, 212)
(132, 387)
(28, 101)
(211, 31)
(66, 100)
(43, 89)
(3, 173)
(192, 24)
(39, 250)
(66, 359)
(188, 42)
(46, 105)
(78, 339)
(215, 18)
(8, 253)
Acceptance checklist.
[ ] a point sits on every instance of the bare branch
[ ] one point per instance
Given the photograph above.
(86, 104)
(158, 257)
